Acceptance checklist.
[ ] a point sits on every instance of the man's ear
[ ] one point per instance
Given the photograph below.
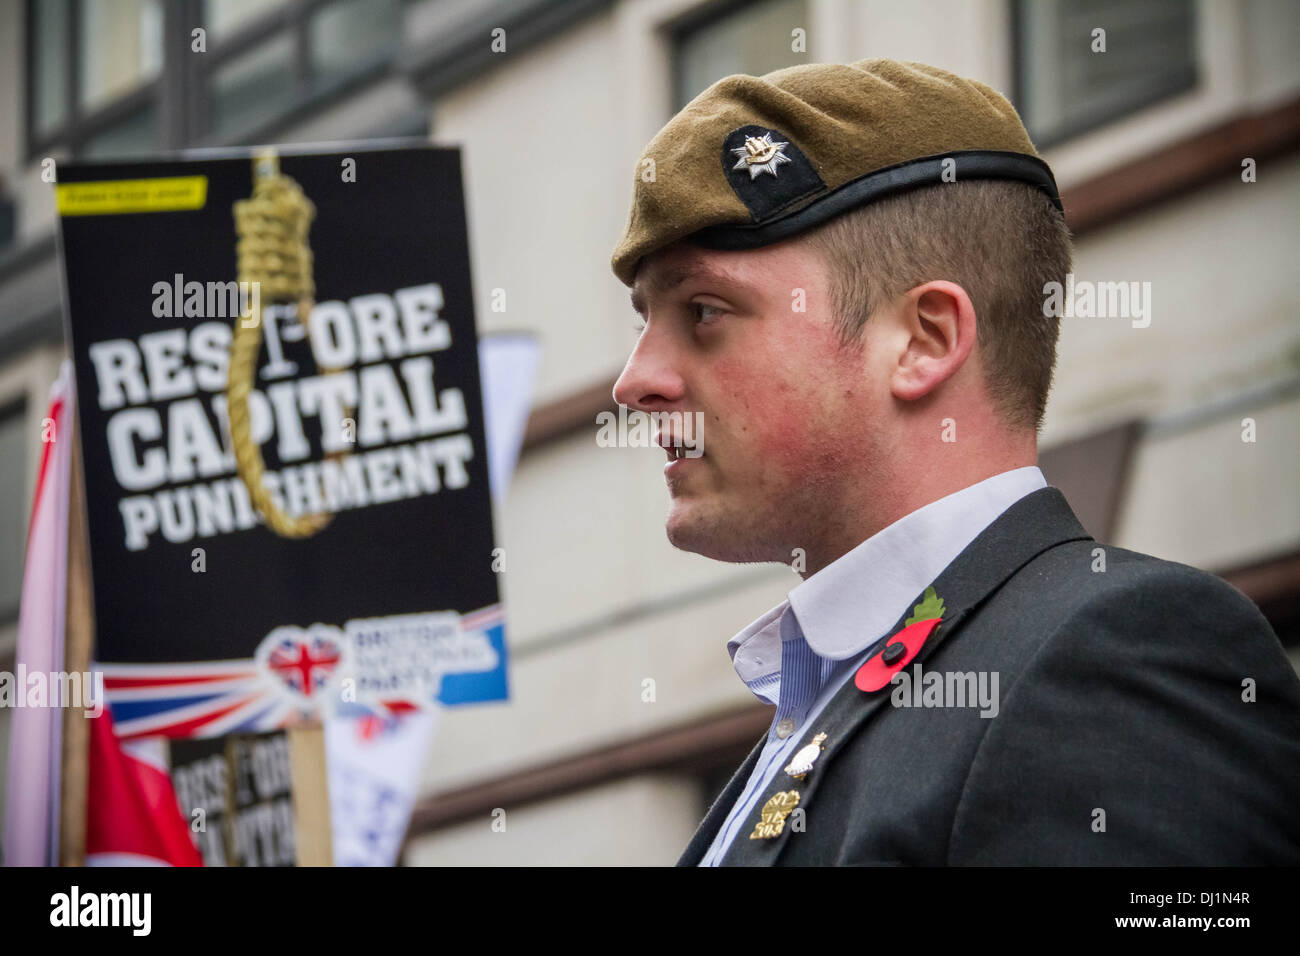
(938, 320)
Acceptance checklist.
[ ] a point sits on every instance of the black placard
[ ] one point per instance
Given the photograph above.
(386, 221)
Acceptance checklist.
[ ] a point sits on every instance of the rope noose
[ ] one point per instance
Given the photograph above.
(273, 252)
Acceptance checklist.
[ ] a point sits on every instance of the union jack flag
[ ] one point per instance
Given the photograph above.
(304, 666)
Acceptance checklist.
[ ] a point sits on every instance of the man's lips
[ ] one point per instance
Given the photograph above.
(676, 466)
(683, 452)
(677, 449)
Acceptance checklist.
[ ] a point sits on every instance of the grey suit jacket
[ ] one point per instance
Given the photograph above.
(1147, 715)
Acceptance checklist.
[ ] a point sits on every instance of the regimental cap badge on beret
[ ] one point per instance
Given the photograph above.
(760, 155)
(749, 152)
(804, 144)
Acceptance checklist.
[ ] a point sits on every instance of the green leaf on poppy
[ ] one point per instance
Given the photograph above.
(931, 606)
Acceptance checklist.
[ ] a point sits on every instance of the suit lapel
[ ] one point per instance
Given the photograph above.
(1038, 521)
(713, 820)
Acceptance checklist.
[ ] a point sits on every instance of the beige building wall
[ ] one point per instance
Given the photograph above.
(638, 821)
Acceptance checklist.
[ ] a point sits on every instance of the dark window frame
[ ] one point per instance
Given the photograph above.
(79, 126)
(1146, 97)
(181, 93)
(692, 21)
(310, 93)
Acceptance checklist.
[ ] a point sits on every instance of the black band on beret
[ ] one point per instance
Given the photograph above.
(926, 171)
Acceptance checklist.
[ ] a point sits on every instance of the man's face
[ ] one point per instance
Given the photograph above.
(748, 340)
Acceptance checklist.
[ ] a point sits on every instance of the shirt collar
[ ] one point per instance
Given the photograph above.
(846, 606)
(756, 651)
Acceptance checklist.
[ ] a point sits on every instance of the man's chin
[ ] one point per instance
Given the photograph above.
(709, 537)
(682, 537)
(685, 531)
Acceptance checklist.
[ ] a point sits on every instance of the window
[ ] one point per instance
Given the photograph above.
(1064, 88)
(93, 70)
(109, 78)
(347, 37)
(251, 87)
(224, 18)
(13, 504)
(270, 58)
(753, 38)
(48, 79)
(119, 49)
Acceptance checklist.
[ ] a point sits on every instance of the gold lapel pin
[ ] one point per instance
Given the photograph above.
(772, 819)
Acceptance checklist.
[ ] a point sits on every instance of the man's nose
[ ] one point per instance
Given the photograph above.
(650, 378)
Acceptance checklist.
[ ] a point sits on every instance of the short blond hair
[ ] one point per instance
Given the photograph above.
(999, 240)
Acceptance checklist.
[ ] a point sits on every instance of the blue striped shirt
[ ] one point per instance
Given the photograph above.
(800, 653)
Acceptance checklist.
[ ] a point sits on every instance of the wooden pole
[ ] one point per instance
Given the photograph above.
(311, 802)
(79, 634)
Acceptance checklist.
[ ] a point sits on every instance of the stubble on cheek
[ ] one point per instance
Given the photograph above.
(803, 422)
(781, 449)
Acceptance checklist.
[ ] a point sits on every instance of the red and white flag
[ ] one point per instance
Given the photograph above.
(32, 786)
(132, 813)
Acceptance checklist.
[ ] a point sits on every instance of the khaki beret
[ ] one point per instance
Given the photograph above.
(755, 160)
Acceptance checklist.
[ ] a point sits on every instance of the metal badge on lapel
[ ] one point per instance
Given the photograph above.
(772, 819)
(903, 646)
(807, 756)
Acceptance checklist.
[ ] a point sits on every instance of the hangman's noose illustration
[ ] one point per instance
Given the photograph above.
(273, 252)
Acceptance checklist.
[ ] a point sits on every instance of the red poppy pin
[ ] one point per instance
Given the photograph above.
(903, 646)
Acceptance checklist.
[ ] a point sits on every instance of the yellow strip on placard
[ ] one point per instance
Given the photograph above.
(166, 194)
